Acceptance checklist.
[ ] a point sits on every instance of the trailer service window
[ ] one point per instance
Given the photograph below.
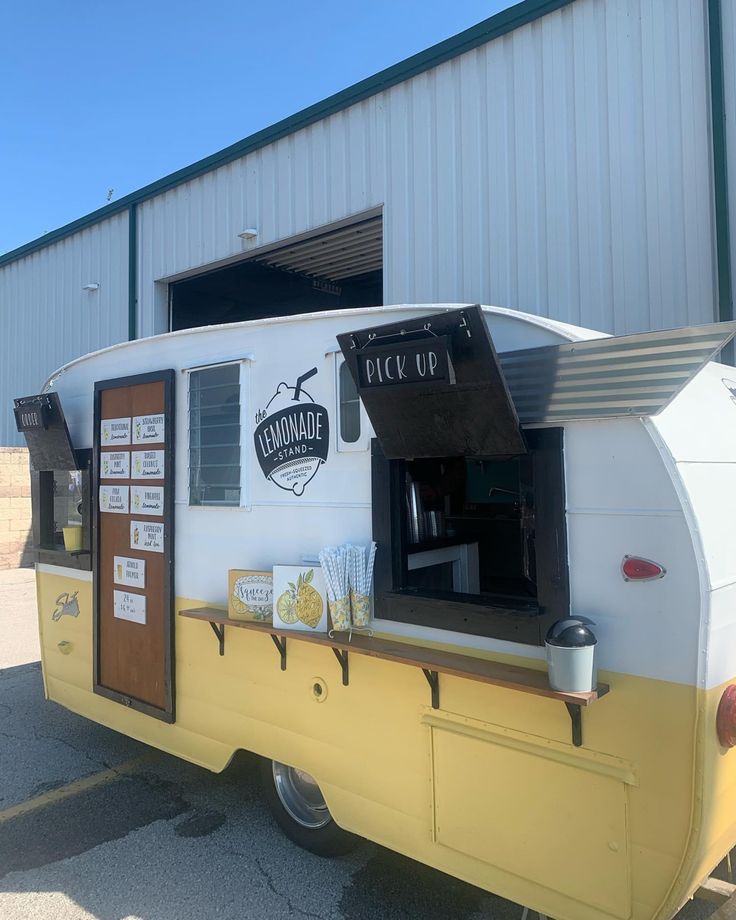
(472, 545)
(468, 509)
(214, 436)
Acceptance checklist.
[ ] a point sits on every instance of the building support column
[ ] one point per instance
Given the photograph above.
(720, 166)
(132, 271)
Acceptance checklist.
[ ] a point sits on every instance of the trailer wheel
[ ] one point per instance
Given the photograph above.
(300, 811)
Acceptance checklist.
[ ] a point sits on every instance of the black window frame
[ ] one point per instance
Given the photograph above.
(516, 620)
(46, 550)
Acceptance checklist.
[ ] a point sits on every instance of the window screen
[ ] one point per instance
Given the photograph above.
(349, 407)
(214, 436)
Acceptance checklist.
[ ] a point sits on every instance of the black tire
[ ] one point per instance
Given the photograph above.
(324, 837)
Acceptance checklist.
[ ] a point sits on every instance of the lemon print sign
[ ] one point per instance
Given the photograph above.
(299, 598)
(293, 436)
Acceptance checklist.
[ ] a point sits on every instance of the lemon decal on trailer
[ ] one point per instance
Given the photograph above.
(293, 436)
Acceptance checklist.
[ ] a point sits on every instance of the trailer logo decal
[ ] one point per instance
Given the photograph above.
(293, 436)
(66, 605)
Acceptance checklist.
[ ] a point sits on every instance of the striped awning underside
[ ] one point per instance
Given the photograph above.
(630, 375)
(339, 254)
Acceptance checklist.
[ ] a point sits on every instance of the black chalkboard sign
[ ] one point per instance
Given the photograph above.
(41, 420)
(464, 410)
(422, 360)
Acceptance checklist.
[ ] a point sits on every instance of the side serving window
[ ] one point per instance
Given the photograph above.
(473, 545)
(352, 422)
(62, 513)
(214, 436)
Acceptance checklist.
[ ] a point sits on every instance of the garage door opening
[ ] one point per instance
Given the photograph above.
(334, 270)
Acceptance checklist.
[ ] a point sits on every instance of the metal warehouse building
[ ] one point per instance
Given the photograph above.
(564, 157)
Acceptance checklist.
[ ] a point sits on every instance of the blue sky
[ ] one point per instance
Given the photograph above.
(99, 95)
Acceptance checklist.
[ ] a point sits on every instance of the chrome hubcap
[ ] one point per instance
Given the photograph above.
(300, 796)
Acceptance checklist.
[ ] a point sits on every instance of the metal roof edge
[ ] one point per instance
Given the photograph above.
(489, 29)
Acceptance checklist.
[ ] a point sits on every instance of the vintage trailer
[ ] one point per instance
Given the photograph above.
(571, 473)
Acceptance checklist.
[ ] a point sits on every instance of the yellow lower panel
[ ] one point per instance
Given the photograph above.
(509, 801)
(493, 793)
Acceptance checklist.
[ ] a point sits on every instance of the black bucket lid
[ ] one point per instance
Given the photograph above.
(572, 632)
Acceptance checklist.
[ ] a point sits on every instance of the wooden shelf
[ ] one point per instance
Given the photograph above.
(432, 662)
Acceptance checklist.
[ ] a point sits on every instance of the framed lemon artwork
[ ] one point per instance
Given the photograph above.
(250, 595)
(299, 598)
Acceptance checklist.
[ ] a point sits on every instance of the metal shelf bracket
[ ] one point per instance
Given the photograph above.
(576, 716)
(280, 643)
(219, 631)
(342, 657)
(433, 679)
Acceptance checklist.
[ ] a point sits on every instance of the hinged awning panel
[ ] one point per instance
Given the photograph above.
(632, 375)
(41, 420)
(432, 387)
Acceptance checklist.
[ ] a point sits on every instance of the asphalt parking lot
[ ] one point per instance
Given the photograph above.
(94, 826)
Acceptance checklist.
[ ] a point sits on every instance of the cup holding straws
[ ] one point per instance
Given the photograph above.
(361, 576)
(348, 576)
(334, 562)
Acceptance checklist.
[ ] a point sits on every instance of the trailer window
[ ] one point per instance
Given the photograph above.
(214, 436)
(62, 501)
(349, 406)
(473, 545)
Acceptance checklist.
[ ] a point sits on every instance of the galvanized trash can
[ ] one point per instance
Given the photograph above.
(571, 655)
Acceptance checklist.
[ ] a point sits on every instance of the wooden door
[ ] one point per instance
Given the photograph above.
(134, 542)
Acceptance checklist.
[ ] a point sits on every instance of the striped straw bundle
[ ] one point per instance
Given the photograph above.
(334, 562)
(360, 576)
(348, 577)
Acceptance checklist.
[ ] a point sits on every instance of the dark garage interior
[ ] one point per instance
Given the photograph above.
(333, 270)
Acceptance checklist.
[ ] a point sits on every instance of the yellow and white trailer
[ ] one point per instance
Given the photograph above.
(439, 737)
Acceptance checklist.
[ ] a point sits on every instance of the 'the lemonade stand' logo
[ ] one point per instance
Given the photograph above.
(293, 436)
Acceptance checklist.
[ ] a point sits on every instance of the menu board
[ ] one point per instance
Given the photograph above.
(147, 535)
(133, 562)
(149, 429)
(115, 465)
(148, 464)
(147, 500)
(114, 431)
(131, 607)
(114, 499)
(130, 572)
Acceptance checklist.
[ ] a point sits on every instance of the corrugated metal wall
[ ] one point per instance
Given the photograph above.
(728, 24)
(563, 169)
(47, 319)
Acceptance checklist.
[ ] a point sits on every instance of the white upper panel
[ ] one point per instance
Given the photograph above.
(698, 430)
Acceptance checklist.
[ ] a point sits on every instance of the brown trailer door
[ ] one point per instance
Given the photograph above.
(134, 541)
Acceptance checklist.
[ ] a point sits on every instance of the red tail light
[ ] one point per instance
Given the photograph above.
(726, 718)
(634, 568)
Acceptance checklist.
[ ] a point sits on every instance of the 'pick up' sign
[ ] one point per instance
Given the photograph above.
(419, 361)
